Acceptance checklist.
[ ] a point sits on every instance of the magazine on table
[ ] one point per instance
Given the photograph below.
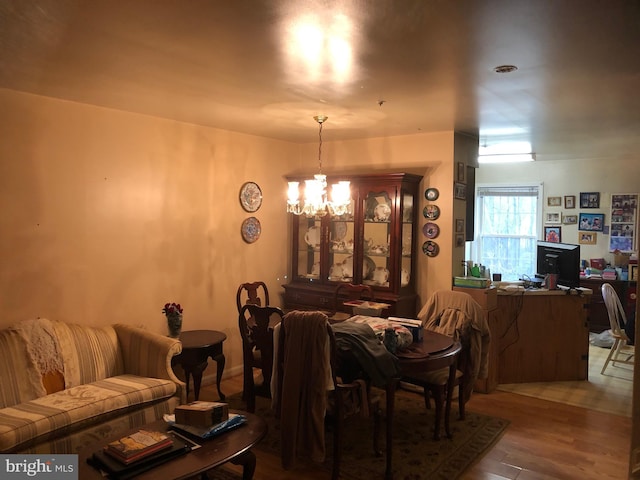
(235, 420)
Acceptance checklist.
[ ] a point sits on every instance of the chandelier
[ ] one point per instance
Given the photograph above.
(312, 199)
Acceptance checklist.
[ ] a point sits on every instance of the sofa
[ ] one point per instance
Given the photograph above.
(63, 385)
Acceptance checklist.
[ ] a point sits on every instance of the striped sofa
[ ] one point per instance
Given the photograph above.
(63, 386)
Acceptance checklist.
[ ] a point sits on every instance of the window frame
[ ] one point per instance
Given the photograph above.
(473, 248)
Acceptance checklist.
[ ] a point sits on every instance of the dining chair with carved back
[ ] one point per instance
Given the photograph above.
(345, 292)
(309, 391)
(256, 293)
(256, 330)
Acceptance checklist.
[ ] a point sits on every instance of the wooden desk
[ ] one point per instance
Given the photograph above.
(540, 336)
(197, 346)
(232, 446)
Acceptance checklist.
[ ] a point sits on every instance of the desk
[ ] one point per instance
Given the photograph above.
(540, 336)
(233, 446)
(197, 346)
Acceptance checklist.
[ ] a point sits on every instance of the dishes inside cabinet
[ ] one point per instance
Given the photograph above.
(312, 237)
(368, 266)
(339, 231)
(378, 207)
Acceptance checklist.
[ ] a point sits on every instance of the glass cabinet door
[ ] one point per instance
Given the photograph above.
(377, 238)
(407, 239)
(308, 248)
(341, 245)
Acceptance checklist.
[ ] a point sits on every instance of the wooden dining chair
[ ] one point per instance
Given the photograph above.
(617, 321)
(310, 391)
(459, 316)
(256, 330)
(252, 291)
(345, 292)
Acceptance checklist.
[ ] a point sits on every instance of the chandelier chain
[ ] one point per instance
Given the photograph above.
(320, 148)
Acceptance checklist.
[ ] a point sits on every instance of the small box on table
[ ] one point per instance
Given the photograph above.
(202, 414)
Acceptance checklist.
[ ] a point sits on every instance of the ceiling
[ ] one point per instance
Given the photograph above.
(374, 67)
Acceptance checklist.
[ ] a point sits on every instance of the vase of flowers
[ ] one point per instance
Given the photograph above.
(173, 312)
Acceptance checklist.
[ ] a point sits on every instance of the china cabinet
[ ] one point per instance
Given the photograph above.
(373, 245)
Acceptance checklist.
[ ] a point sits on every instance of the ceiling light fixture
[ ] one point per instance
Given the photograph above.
(312, 199)
(507, 158)
(505, 69)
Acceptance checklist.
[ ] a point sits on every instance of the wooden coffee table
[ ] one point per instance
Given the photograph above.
(233, 446)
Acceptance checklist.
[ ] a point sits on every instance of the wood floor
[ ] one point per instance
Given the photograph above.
(545, 440)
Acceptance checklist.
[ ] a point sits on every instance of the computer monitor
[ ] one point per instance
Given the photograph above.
(562, 259)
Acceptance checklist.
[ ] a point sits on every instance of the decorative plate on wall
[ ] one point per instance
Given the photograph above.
(431, 194)
(430, 230)
(251, 229)
(430, 249)
(250, 196)
(432, 212)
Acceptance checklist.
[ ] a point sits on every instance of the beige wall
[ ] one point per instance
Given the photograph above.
(566, 177)
(107, 215)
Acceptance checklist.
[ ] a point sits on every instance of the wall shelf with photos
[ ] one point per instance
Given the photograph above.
(624, 215)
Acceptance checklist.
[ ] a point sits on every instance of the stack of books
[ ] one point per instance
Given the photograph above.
(138, 446)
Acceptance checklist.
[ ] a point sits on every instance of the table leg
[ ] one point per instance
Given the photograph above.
(196, 371)
(391, 394)
(220, 361)
(248, 462)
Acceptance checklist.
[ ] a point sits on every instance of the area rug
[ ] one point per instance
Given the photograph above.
(610, 392)
(416, 456)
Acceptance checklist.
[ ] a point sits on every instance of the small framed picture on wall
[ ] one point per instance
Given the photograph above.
(589, 199)
(587, 238)
(460, 172)
(552, 217)
(459, 191)
(569, 201)
(591, 221)
(553, 234)
(554, 201)
(633, 273)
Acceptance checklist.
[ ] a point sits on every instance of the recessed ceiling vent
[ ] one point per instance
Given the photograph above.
(505, 69)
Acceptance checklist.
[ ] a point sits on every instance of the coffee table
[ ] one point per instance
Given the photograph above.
(233, 446)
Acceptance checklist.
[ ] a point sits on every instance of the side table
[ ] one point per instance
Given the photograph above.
(197, 346)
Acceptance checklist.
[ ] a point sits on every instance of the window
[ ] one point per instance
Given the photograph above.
(507, 225)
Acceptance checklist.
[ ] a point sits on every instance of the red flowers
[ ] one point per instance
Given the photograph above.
(172, 309)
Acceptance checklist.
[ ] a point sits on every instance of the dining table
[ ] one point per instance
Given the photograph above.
(433, 351)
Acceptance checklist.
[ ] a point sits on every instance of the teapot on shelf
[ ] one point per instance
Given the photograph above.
(380, 275)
